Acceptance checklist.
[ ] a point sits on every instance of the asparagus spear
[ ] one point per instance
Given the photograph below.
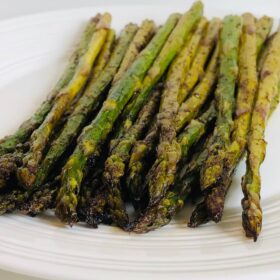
(40, 137)
(174, 43)
(40, 200)
(212, 169)
(161, 213)
(263, 28)
(251, 183)
(86, 105)
(140, 40)
(8, 167)
(139, 163)
(9, 143)
(115, 164)
(12, 200)
(95, 211)
(189, 109)
(96, 133)
(195, 130)
(197, 69)
(92, 199)
(101, 62)
(104, 55)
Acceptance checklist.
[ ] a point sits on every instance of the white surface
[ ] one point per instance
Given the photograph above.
(33, 52)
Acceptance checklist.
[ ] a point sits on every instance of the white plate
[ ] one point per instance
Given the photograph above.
(33, 51)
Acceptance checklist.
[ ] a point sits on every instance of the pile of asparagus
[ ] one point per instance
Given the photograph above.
(156, 117)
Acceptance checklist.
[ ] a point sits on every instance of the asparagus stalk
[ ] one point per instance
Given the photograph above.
(189, 109)
(251, 183)
(8, 167)
(140, 40)
(40, 137)
(197, 69)
(9, 143)
(11, 201)
(144, 34)
(115, 164)
(101, 62)
(87, 104)
(174, 43)
(212, 169)
(104, 55)
(139, 163)
(95, 211)
(263, 28)
(40, 200)
(195, 130)
(263, 54)
(89, 191)
(96, 133)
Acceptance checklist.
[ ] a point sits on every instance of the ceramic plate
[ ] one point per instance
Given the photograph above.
(33, 52)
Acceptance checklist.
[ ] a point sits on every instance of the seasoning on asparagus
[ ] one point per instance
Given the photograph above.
(85, 106)
(224, 94)
(96, 133)
(197, 69)
(140, 40)
(40, 137)
(251, 183)
(190, 108)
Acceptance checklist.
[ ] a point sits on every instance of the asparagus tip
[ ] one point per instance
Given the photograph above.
(199, 216)
(252, 225)
(66, 213)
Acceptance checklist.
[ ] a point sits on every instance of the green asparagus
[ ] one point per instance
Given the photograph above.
(140, 40)
(9, 143)
(263, 28)
(251, 183)
(189, 109)
(197, 69)
(40, 137)
(230, 35)
(86, 105)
